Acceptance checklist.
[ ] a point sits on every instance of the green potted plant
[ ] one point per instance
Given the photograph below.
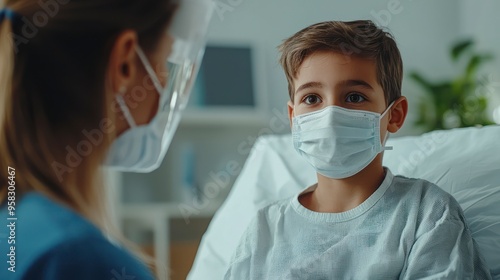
(457, 102)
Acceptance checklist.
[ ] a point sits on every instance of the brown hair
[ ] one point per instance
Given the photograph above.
(54, 57)
(360, 38)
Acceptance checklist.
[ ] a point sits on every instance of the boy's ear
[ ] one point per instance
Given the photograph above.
(290, 111)
(397, 114)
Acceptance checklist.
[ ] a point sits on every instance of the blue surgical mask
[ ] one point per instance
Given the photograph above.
(338, 142)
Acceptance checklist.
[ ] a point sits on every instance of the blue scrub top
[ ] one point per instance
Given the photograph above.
(54, 242)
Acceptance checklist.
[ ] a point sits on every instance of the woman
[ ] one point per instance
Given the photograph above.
(82, 83)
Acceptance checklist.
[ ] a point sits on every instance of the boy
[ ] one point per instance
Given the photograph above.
(359, 221)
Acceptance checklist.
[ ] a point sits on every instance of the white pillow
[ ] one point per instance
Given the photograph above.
(465, 162)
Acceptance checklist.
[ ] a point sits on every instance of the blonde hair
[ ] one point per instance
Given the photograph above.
(53, 106)
(361, 38)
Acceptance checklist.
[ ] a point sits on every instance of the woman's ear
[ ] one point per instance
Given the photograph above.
(122, 67)
(290, 112)
(397, 114)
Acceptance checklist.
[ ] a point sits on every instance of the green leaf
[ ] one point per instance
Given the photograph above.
(423, 82)
(462, 94)
(482, 103)
(474, 63)
(460, 48)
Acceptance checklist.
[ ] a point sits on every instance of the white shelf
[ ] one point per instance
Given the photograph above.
(224, 116)
(163, 210)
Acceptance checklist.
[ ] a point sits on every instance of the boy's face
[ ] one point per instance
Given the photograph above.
(329, 78)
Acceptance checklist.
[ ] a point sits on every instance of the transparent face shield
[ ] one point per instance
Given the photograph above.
(142, 148)
(188, 30)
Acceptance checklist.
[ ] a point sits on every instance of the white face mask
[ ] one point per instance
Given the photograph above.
(142, 148)
(338, 142)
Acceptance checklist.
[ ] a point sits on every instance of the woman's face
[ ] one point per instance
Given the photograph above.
(140, 94)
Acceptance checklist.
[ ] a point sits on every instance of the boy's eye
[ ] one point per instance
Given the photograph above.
(355, 98)
(311, 99)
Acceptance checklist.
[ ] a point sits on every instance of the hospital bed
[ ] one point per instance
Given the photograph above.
(464, 162)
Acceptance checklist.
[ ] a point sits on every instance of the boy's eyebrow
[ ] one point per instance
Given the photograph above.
(351, 83)
(345, 83)
(309, 85)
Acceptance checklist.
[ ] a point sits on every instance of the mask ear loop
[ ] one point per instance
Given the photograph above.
(149, 69)
(386, 148)
(293, 117)
(124, 107)
(154, 78)
(119, 97)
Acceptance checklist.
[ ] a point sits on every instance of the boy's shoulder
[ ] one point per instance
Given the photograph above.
(270, 214)
(428, 191)
(432, 202)
(275, 209)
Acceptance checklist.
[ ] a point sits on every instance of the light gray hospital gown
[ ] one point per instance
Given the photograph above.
(407, 229)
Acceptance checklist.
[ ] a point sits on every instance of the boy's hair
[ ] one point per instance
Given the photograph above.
(361, 38)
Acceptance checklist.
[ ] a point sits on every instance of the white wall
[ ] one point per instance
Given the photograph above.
(424, 30)
(479, 19)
